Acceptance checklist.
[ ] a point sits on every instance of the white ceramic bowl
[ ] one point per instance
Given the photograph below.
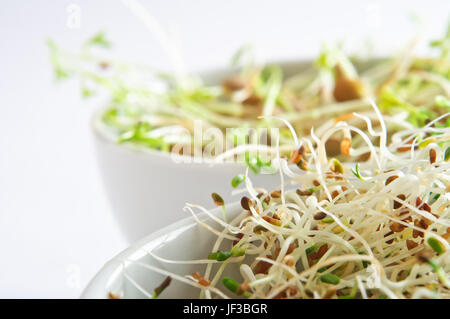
(183, 240)
(148, 190)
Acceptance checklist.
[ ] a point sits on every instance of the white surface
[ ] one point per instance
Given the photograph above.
(56, 230)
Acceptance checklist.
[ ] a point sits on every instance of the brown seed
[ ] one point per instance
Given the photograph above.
(258, 229)
(346, 88)
(201, 280)
(318, 254)
(447, 234)
(292, 290)
(304, 193)
(104, 65)
(319, 215)
(364, 157)
(246, 203)
(397, 227)
(432, 156)
(418, 201)
(411, 244)
(423, 224)
(416, 232)
(240, 235)
(302, 164)
(346, 145)
(390, 179)
(334, 194)
(406, 147)
(272, 221)
(390, 241)
(234, 83)
(316, 183)
(264, 197)
(406, 219)
(295, 157)
(253, 100)
(329, 293)
(218, 200)
(262, 267)
(333, 147)
(426, 207)
(112, 295)
(290, 249)
(398, 204)
(276, 194)
(424, 255)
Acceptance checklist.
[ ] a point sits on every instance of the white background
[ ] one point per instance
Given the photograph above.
(56, 230)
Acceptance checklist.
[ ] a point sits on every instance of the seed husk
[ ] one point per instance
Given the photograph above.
(246, 203)
(397, 227)
(200, 279)
(398, 204)
(346, 145)
(218, 200)
(276, 194)
(158, 290)
(112, 295)
(390, 179)
(307, 192)
(319, 215)
(272, 220)
(234, 83)
(432, 156)
(411, 244)
(262, 267)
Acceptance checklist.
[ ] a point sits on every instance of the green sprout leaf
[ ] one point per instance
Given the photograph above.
(230, 284)
(233, 286)
(447, 154)
(220, 255)
(389, 101)
(357, 173)
(255, 163)
(138, 135)
(99, 40)
(330, 279)
(237, 180)
(442, 102)
(436, 245)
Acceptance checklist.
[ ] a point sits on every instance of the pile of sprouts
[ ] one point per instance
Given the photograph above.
(152, 110)
(375, 229)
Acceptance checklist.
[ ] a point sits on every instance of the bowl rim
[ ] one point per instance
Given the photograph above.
(111, 269)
